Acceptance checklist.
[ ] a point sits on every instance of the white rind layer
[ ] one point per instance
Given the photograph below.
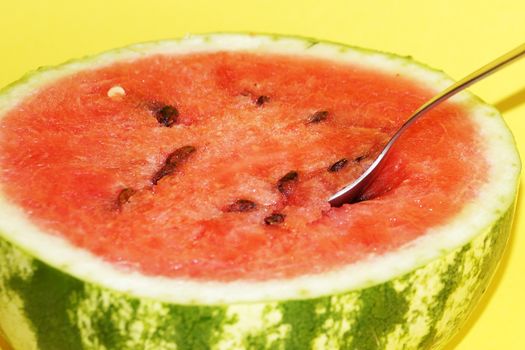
(494, 198)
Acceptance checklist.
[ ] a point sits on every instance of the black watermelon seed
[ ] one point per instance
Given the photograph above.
(172, 161)
(318, 117)
(262, 100)
(167, 169)
(180, 154)
(124, 196)
(340, 164)
(241, 206)
(360, 158)
(167, 115)
(274, 219)
(286, 182)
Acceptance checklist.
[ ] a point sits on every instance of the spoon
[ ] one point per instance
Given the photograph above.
(352, 192)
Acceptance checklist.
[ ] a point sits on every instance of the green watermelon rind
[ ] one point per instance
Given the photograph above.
(412, 298)
(50, 310)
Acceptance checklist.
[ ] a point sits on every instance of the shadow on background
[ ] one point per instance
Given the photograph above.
(511, 102)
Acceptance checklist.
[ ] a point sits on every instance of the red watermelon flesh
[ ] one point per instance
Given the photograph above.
(272, 138)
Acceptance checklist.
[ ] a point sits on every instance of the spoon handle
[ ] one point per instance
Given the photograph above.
(351, 192)
(470, 79)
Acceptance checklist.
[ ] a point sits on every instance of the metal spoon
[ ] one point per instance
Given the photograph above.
(352, 192)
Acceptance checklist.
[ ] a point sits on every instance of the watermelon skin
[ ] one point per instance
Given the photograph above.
(50, 310)
(45, 304)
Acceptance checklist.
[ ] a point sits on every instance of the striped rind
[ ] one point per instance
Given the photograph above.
(56, 296)
(44, 308)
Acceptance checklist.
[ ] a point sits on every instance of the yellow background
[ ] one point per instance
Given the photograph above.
(456, 36)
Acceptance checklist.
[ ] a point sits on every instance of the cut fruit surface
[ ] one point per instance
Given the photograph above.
(249, 119)
(173, 195)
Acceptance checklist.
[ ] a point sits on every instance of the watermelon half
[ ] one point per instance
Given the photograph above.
(172, 195)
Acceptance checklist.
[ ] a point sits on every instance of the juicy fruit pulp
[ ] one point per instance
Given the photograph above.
(54, 295)
(271, 136)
